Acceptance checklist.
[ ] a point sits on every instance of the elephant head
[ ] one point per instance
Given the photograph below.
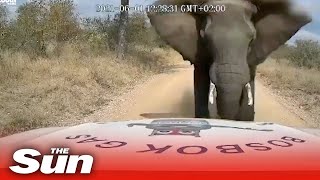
(232, 42)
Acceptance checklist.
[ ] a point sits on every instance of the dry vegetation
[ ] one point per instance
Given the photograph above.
(47, 92)
(55, 66)
(294, 74)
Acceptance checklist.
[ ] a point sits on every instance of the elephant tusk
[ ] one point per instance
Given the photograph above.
(250, 97)
(212, 93)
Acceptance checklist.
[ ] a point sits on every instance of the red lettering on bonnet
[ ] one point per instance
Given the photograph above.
(284, 142)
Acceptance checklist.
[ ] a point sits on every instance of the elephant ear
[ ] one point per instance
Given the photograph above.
(276, 22)
(179, 30)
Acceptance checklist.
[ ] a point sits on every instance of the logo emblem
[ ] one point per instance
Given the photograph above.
(185, 127)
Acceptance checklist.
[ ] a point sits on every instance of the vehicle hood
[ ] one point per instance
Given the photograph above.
(179, 144)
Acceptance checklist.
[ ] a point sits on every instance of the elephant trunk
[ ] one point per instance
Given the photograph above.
(228, 100)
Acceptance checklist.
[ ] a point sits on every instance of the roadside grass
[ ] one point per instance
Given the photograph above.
(299, 84)
(53, 91)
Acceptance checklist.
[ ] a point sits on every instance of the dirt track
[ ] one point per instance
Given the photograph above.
(170, 94)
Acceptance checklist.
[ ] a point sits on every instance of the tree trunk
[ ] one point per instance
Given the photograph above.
(122, 43)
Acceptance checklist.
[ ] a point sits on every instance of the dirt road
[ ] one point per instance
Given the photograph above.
(170, 94)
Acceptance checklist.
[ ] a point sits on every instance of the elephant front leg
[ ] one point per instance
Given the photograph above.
(201, 91)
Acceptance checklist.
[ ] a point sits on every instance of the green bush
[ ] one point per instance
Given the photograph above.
(42, 28)
(306, 54)
(37, 24)
(3, 24)
(103, 32)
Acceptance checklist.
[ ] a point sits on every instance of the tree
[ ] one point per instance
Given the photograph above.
(3, 16)
(62, 21)
(42, 22)
(306, 54)
(122, 43)
(30, 27)
(3, 24)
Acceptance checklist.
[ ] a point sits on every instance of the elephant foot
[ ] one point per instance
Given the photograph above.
(246, 114)
(202, 114)
(202, 117)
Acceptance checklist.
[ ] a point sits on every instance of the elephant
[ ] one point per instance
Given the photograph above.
(225, 48)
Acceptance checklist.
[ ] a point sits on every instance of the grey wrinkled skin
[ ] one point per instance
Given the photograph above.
(225, 48)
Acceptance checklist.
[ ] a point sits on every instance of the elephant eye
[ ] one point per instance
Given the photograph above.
(164, 132)
(185, 132)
